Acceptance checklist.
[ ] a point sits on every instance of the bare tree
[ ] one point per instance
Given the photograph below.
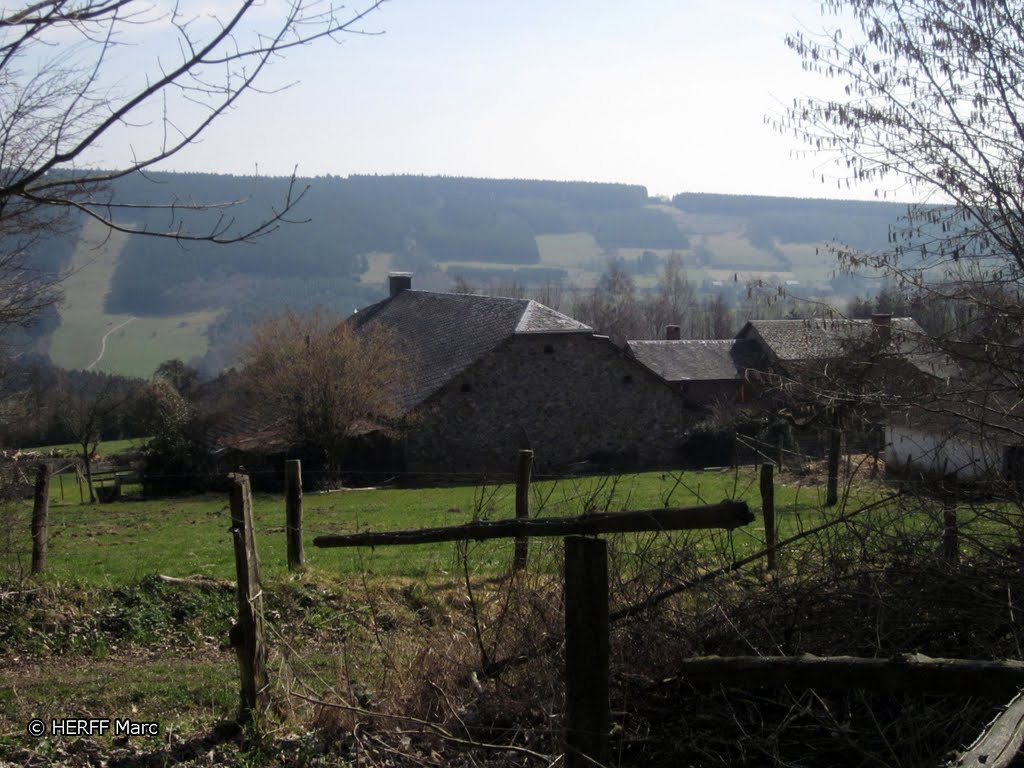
(675, 301)
(319, 381)
(87, 410)
(933, 105)
(65, 90)
(613, 306)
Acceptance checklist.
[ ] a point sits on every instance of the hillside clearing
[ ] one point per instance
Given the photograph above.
(140, 344)
(576, 249)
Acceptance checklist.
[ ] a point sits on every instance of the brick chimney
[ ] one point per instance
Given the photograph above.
(881, 327)
(398, 282)
(673, 333)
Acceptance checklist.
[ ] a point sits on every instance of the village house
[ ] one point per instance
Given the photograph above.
(817, 350)
(971, 431)
(705, 372)
(488, 376)
(813, 374)
(955, 440)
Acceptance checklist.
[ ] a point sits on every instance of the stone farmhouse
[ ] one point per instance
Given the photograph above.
(489, 376)
(705, 372)
(820, 349)
(806, 371)
(767, 357)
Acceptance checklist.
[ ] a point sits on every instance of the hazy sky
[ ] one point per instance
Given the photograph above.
(671, 94)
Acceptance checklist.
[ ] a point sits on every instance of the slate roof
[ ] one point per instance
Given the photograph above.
(687, 360)
(441, 334)
(803, 341)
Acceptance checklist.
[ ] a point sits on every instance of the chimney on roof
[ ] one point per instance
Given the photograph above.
(673, 333)
(881, 327)
(398, 282)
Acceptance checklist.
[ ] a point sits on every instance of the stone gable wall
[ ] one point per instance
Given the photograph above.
(573, 398)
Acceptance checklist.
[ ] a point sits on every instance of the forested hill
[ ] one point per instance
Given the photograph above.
(420, 220)
(343, 235)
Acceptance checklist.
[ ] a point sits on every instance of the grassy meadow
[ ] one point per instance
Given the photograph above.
(378, 265)
(118, 543)
(100, 634)
(135, 346)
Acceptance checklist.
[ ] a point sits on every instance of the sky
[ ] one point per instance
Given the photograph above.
(670, 94)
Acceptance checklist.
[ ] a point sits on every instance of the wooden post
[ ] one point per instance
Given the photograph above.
(588, 717)
(40, 512)
(293, 512)
(78, 477)
(835, 443)
(60, 481)
(247, 636)
(950, 532)
(522, 545)
(768, 510)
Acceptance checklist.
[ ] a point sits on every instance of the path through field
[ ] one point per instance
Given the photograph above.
(103, 342)
(144, 343)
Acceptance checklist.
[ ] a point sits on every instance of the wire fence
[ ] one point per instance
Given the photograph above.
(472, 659)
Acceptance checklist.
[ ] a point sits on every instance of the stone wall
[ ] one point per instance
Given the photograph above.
(575, 399)
(709, 393)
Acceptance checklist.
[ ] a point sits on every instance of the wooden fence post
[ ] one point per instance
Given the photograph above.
(40, 512)
(293, 512)
(247, 636)
(835, 446)
(522, 545)
(588, 717)
(768, 510)
(950, 532)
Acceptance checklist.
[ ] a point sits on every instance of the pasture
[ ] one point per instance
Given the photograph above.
(134, 346)
(378, 265)
(572, 250)
(122, 542)
(394, 628)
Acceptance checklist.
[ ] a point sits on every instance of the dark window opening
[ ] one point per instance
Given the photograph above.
(627, 379)
(548, 349)
(465, 387)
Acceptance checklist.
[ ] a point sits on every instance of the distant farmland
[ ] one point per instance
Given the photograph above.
(142, 343)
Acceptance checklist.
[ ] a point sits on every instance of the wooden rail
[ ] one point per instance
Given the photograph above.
(726, 514)
(912, 672)
(998, 746)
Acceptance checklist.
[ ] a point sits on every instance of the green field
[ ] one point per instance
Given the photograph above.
(100, 633)
(122, 542)
(135, 346)
(577, 249)
(107, 447)
(378, 265)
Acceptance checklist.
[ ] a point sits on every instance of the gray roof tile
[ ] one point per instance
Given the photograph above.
(687, 360)
(830, 339)
(441, 334)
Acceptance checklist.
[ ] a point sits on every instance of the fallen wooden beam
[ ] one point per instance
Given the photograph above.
(913, 672)
(202, 582)
(726, 514)
(999, 744)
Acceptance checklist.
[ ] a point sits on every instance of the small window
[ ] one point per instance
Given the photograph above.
(465, 387)
(627, 379)
(548, 349)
